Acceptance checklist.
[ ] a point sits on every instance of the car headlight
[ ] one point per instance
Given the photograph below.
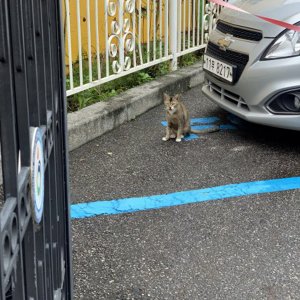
(287, 44)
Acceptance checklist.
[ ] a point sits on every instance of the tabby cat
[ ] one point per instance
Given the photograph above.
(179, 120)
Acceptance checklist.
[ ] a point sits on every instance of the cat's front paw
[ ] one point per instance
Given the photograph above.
(165, 139)
(178, 140)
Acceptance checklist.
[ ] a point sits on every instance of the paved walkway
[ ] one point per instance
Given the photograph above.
(244, 246)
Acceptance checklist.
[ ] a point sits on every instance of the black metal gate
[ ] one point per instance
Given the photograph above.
(35, 256)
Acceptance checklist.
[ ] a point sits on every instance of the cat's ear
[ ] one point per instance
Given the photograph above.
(166, 98)
(177, 97)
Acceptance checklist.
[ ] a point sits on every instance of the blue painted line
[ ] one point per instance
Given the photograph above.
(207, 120)
(129, 205)
(195, 121)
(191, 137)
(202, 127)
(194, 136)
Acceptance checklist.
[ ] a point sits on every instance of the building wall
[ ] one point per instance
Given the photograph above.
(101, 21)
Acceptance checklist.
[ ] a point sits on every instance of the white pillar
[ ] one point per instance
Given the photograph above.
(173, 30)
(121, 41)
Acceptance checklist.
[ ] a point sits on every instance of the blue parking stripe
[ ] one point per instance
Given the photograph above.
(129, 205)
(207, 120)
(191, 137)
(202, 127)
(196, 121)
(195, 125)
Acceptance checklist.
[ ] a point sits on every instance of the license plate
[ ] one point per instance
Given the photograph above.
(218, 68)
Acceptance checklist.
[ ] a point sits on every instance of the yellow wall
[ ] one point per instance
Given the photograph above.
(101, 21)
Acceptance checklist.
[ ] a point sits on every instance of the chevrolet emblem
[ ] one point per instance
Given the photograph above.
(225, 42)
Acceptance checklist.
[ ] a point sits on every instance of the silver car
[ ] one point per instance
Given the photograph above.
(252, 67)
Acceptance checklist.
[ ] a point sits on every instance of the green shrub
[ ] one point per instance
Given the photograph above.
(105, 91)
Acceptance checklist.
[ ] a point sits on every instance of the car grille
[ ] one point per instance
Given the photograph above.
(227, 96)
(243, 33)
(237, 59)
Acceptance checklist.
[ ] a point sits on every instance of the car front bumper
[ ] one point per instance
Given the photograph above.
(258, 114)
(259, 82)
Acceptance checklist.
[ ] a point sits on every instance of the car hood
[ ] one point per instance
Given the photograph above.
(283, 10)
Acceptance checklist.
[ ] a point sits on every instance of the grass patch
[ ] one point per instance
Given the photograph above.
(105, 91)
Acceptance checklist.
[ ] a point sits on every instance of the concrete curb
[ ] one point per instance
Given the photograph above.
(95, 120)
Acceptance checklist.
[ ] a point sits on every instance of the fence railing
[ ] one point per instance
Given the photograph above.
(107, 39)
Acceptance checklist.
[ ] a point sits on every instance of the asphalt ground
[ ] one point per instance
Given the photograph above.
(236, 248)
(1, 196)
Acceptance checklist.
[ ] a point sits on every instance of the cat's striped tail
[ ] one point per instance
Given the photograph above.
(213, 128)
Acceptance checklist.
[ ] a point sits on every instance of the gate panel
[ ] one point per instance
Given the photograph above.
(35, 260)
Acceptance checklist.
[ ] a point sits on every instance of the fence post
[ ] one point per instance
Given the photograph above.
(173, 31)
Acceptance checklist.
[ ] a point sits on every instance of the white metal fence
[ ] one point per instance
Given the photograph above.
(125, 36)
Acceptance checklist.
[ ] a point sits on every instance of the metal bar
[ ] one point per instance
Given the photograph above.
(9, 144)
(154, 29)
(8, 113)
(48, 58)
(173, 33)
(134, 33)
(115, 76)
(69, 37)
(49, 197)
(202, 21)
(179, 25)
(191, 50)
(40, 62)
(29, 246)
(19, 293)
(88, 19)
(166, 28)
(140, 33)
(97, 39)
(79, 42)
(50, 174)
(56, 194)
(194, 21)
(160, 28)
(184, 23)
(30, 48)
(40, 87)
(20, 14)
(148, 30)
(121, 40)
(66, 284)
(40, 281)
(189, 24)
(22, 111)
(198, 22)
(106, 38)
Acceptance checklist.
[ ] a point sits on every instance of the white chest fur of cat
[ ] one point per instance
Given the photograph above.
(178, 120)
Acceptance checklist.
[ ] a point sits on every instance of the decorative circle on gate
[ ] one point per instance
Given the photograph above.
(121, 40)
(37, 174)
